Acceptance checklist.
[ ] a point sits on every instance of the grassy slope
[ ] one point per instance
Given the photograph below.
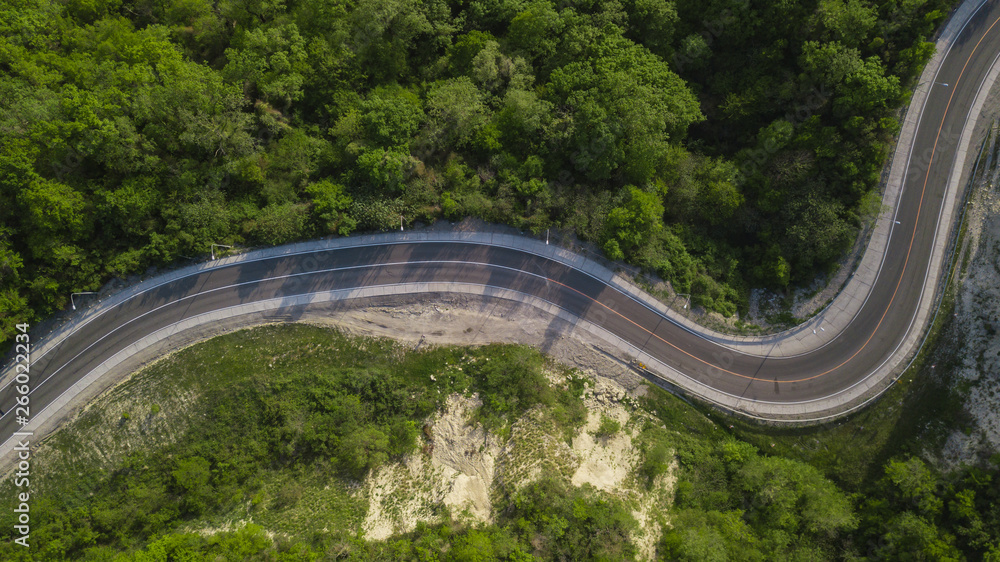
(204, 398)
(160, 415)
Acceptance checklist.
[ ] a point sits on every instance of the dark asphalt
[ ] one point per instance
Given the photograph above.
(880, 326)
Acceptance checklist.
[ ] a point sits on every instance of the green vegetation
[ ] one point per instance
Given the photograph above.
(289, 417)
(737, 503)
(548, 520)
(855, 490)
(906, 508)
(510, 382)
(722, 144)
(608, 427)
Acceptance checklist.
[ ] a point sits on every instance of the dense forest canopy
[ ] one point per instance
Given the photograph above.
(722, 144)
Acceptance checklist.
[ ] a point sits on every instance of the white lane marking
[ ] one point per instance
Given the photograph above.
(276, 278)
(625, 293)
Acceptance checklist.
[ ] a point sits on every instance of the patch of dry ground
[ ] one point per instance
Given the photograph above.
(605, 462)
(455, 319)
(609, 463)
(468, 468)
(458, 474)
(465, 454)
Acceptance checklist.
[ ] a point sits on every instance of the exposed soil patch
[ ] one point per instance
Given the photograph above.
(468, 469)
(458, 473)
(454, 319)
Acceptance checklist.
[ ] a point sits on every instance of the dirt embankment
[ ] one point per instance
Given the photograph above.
(466, 468)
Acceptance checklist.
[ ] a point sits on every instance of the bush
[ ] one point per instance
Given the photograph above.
(655, 462)
(288, 495)
(565, 522)
(510, 382)
(608, 427)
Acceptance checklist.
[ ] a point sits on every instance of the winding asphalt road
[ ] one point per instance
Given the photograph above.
(884, 321)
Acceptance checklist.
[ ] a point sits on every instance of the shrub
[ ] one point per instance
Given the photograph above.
(608, 427)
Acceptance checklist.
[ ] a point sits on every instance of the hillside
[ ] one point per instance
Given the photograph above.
(495, 445)
(296, 442)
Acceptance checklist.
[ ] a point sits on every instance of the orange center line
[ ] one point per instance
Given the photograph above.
(901, 273)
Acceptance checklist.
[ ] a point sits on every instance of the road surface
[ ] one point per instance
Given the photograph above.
(873, 336)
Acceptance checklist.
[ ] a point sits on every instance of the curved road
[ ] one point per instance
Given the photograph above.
(884, 321)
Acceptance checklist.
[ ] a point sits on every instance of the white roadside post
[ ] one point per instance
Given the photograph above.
(214, 246)
(72, 303)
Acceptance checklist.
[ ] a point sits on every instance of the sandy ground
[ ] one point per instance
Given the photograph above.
(609, 463)
(465, 468)
(469, 320)
(458, 473)
(465, 454)
(605, 462)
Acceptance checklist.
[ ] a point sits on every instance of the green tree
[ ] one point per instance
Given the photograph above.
(868, 90)
(536, 29)
(53, 214)
(455, 111)
(910, 537)
(268, 62)
(522, 121)
(277, 224)
(718, 195)
(251, 13)
(362, 450)
(711, 536)
(133, 205)
(330, 205)
(829, 64)
(385, 169)
(512, 381)
(793, 496)
(465, 49)
(631, 225)
(14, 307)
(383, 34)
(916, 484)
(624, 104)
(391, 116)
(652, 23)
(192, 481)
(817, 233)
(849, 21)
(569, 523)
